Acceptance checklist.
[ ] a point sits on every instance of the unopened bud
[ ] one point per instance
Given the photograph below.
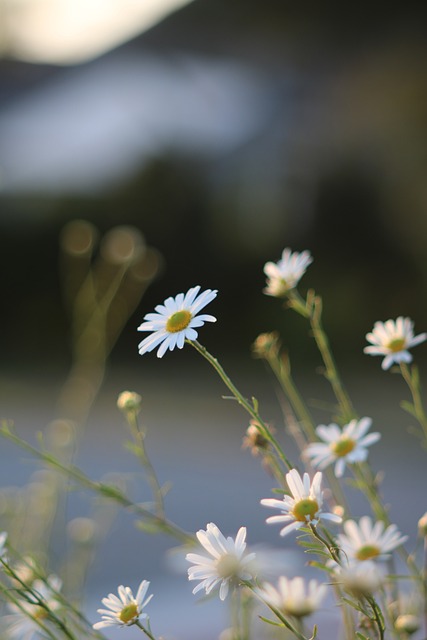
(267, 344)
(422, 526)
(129, 401)
(254, 440)
(408, 623)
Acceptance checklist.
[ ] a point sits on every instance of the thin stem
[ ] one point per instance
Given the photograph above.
(378, 616)
(363, 473)
(331, 549)
(312, 310)
(276, 612)
(113, 493)
(141, 453)
(425, 585)
(264, 430)
(412, 380)
(145, 630)
(282, 370)
(34, 599)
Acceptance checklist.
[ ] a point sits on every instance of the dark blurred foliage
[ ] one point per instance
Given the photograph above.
(366, 224)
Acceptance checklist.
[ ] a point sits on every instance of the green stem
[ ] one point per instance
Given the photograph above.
(312, 310)
(146, 631)
(276, 612)
(141, 453)
(331, 549)
(282, 370)
(378, 616)
(111, 492)
(34, 599)
(363, 473)
(412, 380)
(264, 430)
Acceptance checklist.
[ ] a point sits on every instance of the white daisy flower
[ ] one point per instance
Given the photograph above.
(392, 339)
(126, 609)
(22, 623)
(3, 550)
(368, 541)
(176, 320)
(286, 273)
(360, 578)
(294, 597)
(226, 564)
(305, 505)
(348, 445)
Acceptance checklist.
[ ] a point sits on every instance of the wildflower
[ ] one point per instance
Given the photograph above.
(341, 446)
(125, 610)
(305, 505)
(286, 273)
(254, 440)
(266, 345)
(26, 571)
(367, 541)
(359, 578)
(3, 551)
(226, 563)
(392, 339)
(407, 611)
(129, 401)
(407, 623)
(32, 610)
(422, 526)
(176, 320)
(293, 597)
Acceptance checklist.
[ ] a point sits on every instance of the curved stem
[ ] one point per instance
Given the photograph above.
(141, 453)
(145, 630)
(276, 612)
(264, 430)
(312, 310)
(412, 380)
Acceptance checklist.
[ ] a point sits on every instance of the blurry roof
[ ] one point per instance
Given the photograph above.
(89, 125)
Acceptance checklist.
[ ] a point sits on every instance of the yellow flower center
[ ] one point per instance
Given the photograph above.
(128, 613)
(397, 345)
(305, 510)
(297, 608)
(227, 566)
(343, 446)
(178, 321)
(367, 552)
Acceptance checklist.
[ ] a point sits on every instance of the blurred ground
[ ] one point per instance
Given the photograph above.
(194, 439)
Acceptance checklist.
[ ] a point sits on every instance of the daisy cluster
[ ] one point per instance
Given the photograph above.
(358, 551)
(356, 554)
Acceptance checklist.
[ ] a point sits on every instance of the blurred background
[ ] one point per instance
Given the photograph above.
(222, 132)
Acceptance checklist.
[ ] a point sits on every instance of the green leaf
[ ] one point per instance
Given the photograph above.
(319, 565)
(355, 606)
(272, 622)
(361, 636)
(314, 634)
(408, 407)
(319, 552)
(148, 527)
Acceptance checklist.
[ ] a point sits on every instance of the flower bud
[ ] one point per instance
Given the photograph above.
(129, 401)
(407, 623)
(266, 345)
(254, 440)
(422, 526)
